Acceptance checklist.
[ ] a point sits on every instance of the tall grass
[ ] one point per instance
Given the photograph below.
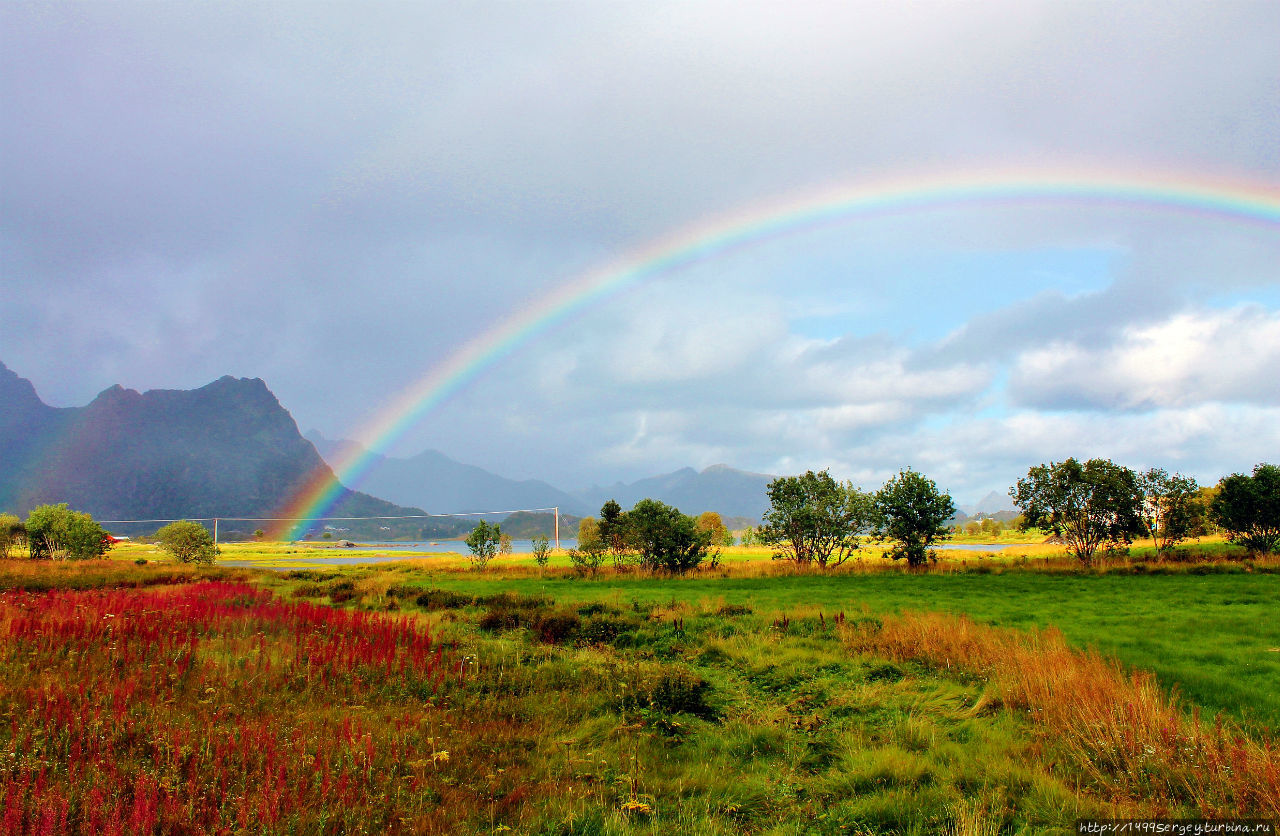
(1118, 727)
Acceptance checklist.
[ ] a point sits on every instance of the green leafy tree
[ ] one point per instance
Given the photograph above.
(541, 550)
(1090, 505)
(483, 541)
(614, 533)
(748, 536)
(188, 542)
(665, 538)
(813, 519)
(12, 534)
(58, 533)
(1171, 507)
(912, 512)
(1248, 508)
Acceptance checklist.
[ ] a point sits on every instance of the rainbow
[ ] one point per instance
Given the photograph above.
(1246, 203)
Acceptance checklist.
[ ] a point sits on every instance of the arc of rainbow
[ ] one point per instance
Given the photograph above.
(1241, 203)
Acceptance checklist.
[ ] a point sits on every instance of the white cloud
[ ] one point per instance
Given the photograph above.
(1230, 356)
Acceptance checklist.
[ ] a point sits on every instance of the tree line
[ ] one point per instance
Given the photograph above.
(1099, 505)
(1095, 506)
(56, 532)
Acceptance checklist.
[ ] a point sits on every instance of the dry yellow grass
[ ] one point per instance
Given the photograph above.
(1118, 727)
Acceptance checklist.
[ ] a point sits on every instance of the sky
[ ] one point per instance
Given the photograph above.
(336, 198)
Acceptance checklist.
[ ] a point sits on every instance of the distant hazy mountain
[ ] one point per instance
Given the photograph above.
(720, 488)
(442, 485)
(990, 505)
(226, 449)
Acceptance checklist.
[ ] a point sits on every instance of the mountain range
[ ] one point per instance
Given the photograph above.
(228, 449)
(434, 481)
(440, 484)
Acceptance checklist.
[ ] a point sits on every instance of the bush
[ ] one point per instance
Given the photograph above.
(557, 628)
(672, 692)
(603, 629)
(442, 599)
(342, 591)
(188, 542)
(501, 619)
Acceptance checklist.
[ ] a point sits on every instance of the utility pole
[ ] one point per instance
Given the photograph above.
(215, 532)
(557, 528)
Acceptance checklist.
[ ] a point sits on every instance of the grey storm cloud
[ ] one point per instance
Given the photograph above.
(335, 197)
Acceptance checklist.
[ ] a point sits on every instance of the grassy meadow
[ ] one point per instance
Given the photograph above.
(993, 694)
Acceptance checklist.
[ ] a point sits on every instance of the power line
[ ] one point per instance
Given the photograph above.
(334, 519)
(216, 520)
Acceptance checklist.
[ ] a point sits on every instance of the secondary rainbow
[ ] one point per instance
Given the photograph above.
(1245, 203)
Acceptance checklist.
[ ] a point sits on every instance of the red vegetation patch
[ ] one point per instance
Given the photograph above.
(210, 708)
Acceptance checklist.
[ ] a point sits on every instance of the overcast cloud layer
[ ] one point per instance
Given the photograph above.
(333, 197)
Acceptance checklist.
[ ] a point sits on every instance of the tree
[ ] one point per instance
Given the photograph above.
(590, 550)
(613, 532)
(713, 524)
(12, 534)
(665, 538)
(1170, 507)
(505, 544)
(588, 532)
(1248, 508)
(911, 511)
(1089, 505)
(483, 542)
(188, 542)
(814, 519)
(541, 550)
(56, 532)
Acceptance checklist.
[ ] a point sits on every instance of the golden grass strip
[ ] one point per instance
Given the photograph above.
(1118, 727)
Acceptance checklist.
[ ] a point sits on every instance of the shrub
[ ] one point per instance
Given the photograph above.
(501, 619)
(188, 542)
(603, 629)
(442, 599)
(681, 693)
(557, 628)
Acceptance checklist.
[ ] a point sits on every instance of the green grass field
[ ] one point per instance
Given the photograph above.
(745, 699)
(1213, 637)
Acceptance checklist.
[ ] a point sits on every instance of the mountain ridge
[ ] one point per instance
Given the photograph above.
(227, 449)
